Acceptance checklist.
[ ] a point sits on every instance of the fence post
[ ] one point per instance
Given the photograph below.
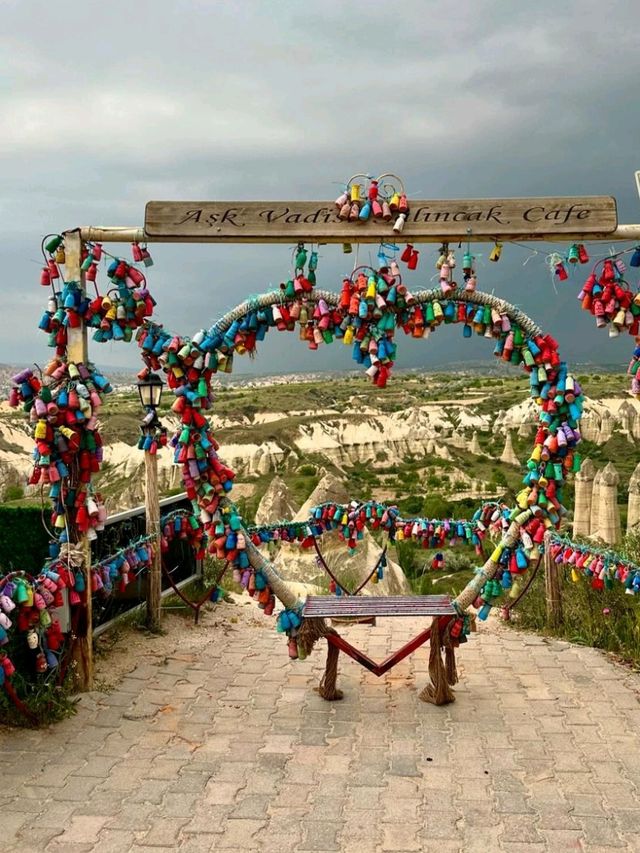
(553, 591)
(78, 352)
(152, 508)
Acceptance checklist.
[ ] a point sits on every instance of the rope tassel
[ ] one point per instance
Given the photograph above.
(312, 630)
(442, 674)
(327, 687)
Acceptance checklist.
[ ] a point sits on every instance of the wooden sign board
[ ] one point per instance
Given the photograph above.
(317, 221)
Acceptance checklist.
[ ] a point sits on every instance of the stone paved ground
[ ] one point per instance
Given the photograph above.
(230, 749)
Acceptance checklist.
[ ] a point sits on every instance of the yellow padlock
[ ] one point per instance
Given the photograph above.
(496, 252)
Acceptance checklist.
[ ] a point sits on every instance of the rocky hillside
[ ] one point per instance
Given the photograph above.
(426, 438)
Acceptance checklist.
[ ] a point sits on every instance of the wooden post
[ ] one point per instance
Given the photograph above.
(152, 506)
(78, 352)
(553, 591)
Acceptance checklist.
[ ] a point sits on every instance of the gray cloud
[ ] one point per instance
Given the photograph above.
(105, 106)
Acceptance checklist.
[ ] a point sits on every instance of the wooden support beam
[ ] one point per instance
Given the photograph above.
(553, 590)
(134, 234)
(152, 506)
(77, 350)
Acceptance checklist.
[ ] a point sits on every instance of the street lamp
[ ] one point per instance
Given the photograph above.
(150, 387)
(150, 391)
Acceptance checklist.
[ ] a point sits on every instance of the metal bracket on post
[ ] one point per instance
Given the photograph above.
(78, 352)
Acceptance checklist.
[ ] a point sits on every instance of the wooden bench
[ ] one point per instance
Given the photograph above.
(327, 607)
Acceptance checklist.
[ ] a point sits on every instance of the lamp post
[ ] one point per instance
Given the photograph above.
(150, 390)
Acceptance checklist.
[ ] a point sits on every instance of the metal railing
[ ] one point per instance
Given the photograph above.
(123, 528)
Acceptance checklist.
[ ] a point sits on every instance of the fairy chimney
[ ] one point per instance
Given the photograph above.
(626, 415)
(277, 503)
(633, 512)
(594, 516)
(590, 426)
(583, 499)
(606, 426)
(508, 454)
(609, 514)
(524, 430)
(475, 445)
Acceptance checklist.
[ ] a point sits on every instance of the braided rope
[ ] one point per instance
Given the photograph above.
(487, 572)
(276, 297)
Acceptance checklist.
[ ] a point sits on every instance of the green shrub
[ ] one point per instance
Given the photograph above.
(605, 619)
(435, 506)
(23, 539)
(14, 492)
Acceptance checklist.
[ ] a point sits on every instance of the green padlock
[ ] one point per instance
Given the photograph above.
(52, 243)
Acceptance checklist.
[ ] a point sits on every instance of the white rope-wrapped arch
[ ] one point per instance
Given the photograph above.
(422, 297)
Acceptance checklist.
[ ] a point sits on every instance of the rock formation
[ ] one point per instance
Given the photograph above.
(627, 417)
(590, 425)
(583, 499)
(633, 512)
(474, 447)
(276, 503)
(525, 429)
(514, 417)
(606, 426)
(608, 515)
(300, 565)
(330, 489)
(508, 454)
(594, 517)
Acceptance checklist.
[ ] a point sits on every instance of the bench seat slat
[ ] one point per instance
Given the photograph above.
(369, 605)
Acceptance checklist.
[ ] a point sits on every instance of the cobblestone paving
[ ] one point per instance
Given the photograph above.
(231, 750)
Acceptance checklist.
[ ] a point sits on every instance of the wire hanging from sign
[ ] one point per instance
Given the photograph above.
(383, 198)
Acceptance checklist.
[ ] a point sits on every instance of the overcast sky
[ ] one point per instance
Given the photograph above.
(107, 105)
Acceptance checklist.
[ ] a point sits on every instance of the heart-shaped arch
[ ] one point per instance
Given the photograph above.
(324, 316)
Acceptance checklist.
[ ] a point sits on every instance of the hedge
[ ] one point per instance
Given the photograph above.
(24, 543)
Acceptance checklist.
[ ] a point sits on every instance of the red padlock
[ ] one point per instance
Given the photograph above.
(136, 252)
